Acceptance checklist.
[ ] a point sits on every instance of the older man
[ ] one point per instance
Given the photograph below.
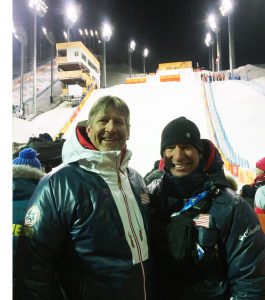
(85, 234)
(207, 241)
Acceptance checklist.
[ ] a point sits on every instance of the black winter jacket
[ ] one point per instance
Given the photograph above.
(233, 263)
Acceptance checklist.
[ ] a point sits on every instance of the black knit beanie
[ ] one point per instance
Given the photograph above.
(180, 131)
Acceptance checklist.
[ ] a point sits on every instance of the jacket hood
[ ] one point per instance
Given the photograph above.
(25, 180)
(25, 171)
(93, 160)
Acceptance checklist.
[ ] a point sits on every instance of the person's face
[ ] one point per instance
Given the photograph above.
(181, 159)
(108, 131)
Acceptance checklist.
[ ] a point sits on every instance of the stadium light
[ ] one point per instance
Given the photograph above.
(39, 8)
(130, 51)
(209, 43)
(71, 14)
(145, 54)
(21, 35)
(214, 25)
(65, 35)
(226, 9)
(106, 35)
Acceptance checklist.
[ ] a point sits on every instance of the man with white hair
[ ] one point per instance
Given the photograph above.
(87, 231)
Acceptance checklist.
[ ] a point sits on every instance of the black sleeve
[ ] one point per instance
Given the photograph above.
(246, 254)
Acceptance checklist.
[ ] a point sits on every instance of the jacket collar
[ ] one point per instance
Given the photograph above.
(77, 148)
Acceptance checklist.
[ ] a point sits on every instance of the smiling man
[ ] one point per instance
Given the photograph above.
(88, 234)
(197, 225)
(108, 128)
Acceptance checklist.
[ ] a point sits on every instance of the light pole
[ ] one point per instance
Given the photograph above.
(71, 14)
(21, 35)
(226, 10)
(106, 34)
(214, 25)
(87, 37)
(50, 37)
(130, 50)
(39, 8)
(96, 45)
(145, 54)
(209, 44)
(92, 36)
(81, 32)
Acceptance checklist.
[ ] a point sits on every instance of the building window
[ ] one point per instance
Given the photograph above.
(61, 53)
(76, 53)
(83, 57)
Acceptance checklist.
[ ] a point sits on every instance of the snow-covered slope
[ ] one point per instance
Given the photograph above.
(154, 104)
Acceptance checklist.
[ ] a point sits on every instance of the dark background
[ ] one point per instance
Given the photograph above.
(171, 30)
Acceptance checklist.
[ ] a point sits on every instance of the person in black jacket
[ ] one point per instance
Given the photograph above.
(84, 232)
(206, 240)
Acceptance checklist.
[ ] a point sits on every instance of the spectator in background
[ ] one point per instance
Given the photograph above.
(207, 242)
(260, 205)
(49, 151)
(260, 200)
(89, 236)
(26, 175)
(248, 190)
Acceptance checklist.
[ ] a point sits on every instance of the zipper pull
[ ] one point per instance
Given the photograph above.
(141, 234)
(132, 243)
(119, 180)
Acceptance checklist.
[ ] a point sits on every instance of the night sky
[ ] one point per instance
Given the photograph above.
(171, 30)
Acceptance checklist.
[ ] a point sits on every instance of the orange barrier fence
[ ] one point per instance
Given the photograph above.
(75, 113)
(175, 65)
(244, 176)
(135, 80)
(164, 78)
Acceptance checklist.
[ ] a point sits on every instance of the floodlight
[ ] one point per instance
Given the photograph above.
(226, 7)
(71, 12)
(106, 32)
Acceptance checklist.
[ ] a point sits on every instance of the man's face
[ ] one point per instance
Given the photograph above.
(109, 130)
(181, 160)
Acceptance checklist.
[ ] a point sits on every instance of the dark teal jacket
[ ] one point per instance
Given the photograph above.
(74, 242)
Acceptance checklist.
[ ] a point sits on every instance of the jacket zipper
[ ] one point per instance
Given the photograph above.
(132, 229)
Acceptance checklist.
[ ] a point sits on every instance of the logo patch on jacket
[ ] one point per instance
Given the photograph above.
(202, 220)
(32, 216)
(249, 232)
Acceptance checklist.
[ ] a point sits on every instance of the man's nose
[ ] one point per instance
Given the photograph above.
(110, 126)
(177, 153)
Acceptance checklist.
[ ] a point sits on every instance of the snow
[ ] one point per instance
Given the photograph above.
(154, 104)
(43, 81)
(242, 112)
